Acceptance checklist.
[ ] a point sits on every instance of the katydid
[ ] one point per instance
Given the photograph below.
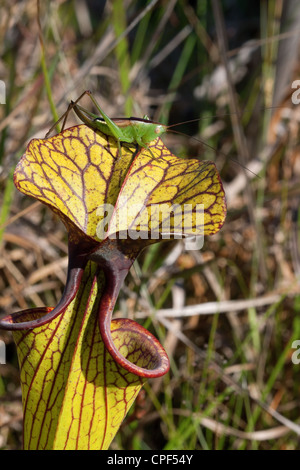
(132, 130)
(129, 130)
(136, 131)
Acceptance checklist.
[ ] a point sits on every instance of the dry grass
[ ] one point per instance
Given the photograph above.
(227, 314)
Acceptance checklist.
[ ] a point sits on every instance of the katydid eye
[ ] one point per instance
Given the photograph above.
(159, 129)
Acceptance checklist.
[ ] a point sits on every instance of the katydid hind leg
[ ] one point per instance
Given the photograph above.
(64, 117)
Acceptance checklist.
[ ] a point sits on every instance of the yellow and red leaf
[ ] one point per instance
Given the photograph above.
(81, 370)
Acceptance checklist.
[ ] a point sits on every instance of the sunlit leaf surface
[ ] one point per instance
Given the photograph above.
(78, 171)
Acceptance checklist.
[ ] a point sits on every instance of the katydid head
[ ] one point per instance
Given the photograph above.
(160, 129)
(143, 131)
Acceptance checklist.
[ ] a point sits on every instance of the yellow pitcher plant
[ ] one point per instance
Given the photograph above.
(80, 369)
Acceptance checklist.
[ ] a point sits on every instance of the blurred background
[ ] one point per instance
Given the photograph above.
(228, 315)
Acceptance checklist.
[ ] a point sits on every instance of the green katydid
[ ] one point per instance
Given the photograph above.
(136, 131)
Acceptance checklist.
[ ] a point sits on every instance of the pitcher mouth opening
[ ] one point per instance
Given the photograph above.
(26, 319)
(138, 351)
